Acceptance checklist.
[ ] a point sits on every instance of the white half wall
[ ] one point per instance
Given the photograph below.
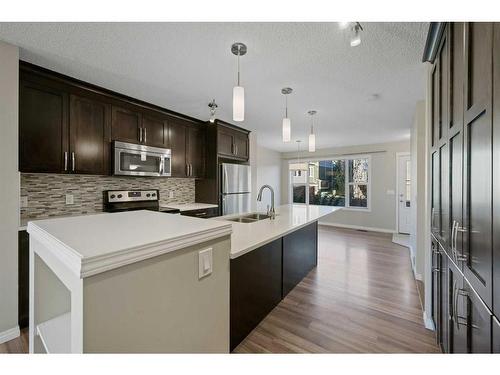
(9, 190)
(382, 215)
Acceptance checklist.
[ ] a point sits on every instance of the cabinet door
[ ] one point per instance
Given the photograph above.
(478, 155)
(241, 146)
(225, 142)
(125, 125)
(444, 296)
(436, 194)
(23, 278)
(496, 170)
(300, 255)
(444, 234)
(155, 131)
(496, 336)
(457, 313)
(478, 322)
(43, 128)
(436, 299)
(177, 143)
(255, 289)
(89, 123)
(195, 153)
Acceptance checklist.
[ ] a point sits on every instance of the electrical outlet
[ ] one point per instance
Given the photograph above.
(24, 202)
(69, 199)
(171, 194)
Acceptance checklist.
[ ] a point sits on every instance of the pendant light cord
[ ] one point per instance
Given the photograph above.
(286, 106)
(238, 66)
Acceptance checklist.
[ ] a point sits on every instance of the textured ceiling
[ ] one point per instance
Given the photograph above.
(363, 95)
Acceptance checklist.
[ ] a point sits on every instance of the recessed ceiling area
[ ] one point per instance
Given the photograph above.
(362, 95)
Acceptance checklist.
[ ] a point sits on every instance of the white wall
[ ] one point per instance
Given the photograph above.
(382, 215)
(9, 190)
(418, 171)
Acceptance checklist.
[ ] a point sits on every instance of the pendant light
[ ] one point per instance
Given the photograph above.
(312, 136)
(356, 34)
(213, 107)
(287, 126)
(238, 49)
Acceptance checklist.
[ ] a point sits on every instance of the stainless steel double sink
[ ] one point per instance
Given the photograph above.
(250, 218)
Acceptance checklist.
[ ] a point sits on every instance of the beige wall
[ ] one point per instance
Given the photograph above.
(9, 189)
(159, 305)
(382, 215)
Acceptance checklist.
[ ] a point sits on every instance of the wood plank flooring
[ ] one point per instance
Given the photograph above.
(362, 298)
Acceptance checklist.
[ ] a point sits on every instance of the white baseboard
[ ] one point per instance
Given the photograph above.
(10, 334)
(347, 226)
(428, 322)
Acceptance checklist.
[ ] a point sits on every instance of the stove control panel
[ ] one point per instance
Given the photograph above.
(114, 196)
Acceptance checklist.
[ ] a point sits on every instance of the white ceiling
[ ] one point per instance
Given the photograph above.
(182, 66)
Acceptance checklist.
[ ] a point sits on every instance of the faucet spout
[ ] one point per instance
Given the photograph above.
(270, 210)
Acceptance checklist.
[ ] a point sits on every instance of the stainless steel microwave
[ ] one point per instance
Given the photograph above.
(138, 160)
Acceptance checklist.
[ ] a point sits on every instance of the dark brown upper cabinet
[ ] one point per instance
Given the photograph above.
(126, 125)
(177, 143)
(43, 128)
(154, 131)
(195, 151)
(232, 142)
(89, 122)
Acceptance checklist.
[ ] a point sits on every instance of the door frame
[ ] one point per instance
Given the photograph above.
(398, 156)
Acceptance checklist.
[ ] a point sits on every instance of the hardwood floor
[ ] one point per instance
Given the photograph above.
(362, 298)
(19, 345)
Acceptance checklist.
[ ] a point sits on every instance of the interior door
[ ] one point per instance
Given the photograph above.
(89, 121)
(478, 154)
(404, 194)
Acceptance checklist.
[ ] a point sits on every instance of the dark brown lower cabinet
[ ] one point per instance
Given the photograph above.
(444, 302)
(477, 321)
(300, 255)
(457, 331)
(259, 278)
(203, 213)
(255, 289)
(495, 348)
(23, 278)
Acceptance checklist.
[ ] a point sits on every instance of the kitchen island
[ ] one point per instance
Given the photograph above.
(137, 281)
(268, 259)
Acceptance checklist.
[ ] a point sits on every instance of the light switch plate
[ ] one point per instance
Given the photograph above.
(204, 263)
(69, 199)
(24, 202)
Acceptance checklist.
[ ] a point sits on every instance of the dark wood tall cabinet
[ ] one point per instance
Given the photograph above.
(465, 185)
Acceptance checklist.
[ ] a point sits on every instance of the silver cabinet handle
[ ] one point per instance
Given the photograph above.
(65, 161)
(236, 149)
(73, 161)
(145, 135)
(140, 135)
(436, 270)
(187, 169)
(190, 169)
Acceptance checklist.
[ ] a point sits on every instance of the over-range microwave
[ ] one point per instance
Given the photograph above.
(138, 160)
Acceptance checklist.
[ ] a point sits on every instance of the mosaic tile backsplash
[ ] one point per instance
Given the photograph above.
(47, 192)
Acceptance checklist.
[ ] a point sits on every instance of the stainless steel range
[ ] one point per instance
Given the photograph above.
(130, 200)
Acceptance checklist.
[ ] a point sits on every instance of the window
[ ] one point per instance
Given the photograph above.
(334, 182)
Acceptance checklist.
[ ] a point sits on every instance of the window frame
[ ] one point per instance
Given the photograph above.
(346, 159)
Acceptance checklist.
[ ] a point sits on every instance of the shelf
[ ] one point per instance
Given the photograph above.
(56, 334)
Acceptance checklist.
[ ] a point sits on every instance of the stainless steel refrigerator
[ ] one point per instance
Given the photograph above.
(235, 188)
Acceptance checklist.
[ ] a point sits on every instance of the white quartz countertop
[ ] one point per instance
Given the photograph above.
(249, 236)
(190, 206)
(92, 244)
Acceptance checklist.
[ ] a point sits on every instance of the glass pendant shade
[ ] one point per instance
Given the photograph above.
(287, 130)
(312, 142)
(238, 103)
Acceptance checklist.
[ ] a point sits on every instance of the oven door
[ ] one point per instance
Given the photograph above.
(137, 160)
